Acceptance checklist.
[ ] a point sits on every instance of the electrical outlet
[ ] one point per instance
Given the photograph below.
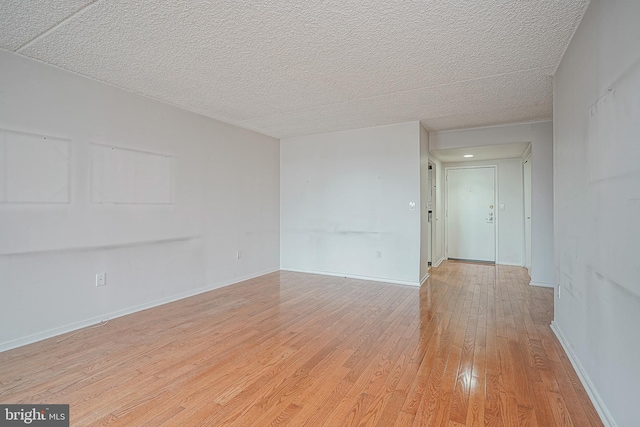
(559, 293)
(101, 279)
(378, 254)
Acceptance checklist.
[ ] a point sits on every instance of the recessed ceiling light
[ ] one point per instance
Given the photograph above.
(468, 155)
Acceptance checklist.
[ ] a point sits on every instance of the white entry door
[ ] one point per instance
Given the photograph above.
(471, 214)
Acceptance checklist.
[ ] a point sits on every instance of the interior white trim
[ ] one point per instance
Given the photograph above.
(604, 413)
(353, 276)
(424, 279)
(515, 264)
(542, 284)
(95, 320)
(437, 264)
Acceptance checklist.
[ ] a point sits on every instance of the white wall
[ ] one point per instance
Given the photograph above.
(597, 205)
(542, 204)
(540, 134)
(425, 234)
(345, 196)
(224, 184)
(510, 221)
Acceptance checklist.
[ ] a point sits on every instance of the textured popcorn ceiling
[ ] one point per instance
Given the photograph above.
(294, 68)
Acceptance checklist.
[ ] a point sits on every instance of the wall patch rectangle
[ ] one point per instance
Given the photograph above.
(124, 176)
(34, 168)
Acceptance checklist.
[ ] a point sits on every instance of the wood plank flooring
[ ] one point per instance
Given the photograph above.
(471, 347)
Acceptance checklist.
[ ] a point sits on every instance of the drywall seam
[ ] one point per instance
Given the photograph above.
(605, 416)
(352, 276)
(94, 320)
(54, 26)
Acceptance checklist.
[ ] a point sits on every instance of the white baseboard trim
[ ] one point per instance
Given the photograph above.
(515, 264)
(437, 263)
(541, 284)
(602, 410)
(352, 276)
(424, 279)
(8, 345)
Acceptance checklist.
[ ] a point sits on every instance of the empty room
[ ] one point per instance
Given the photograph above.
(323, 213)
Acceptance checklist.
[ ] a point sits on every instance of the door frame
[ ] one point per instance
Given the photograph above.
(432, 210)
(527, 243)
(496, 211)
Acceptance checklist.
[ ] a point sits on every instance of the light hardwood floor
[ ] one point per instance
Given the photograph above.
(470, 347)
